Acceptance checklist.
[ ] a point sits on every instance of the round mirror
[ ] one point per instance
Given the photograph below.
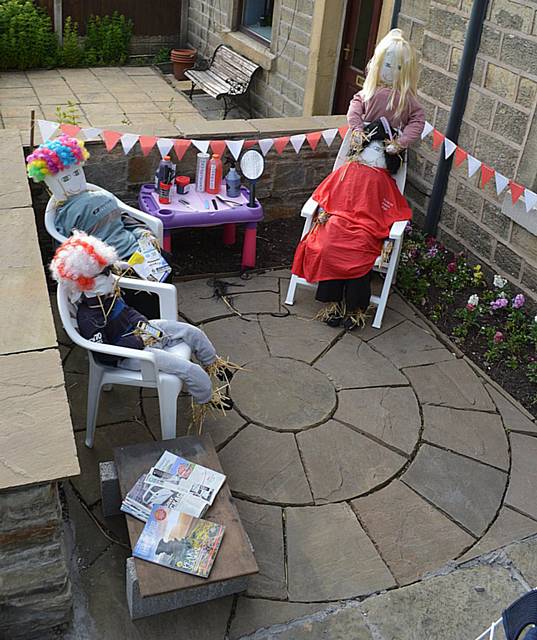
(252, 165)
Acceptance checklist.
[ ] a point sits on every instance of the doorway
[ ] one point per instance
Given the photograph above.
(358, 44)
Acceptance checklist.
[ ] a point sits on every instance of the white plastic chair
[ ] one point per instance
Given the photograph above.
(167, 385)
(154, 224)
(388, 269)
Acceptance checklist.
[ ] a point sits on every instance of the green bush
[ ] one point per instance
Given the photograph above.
(72, 54)
(27, 38)
(107, 40)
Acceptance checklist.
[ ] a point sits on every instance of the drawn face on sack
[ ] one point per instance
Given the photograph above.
(67, 183)
(374, 154)
(389, 71)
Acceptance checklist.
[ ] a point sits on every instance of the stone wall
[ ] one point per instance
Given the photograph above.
(278, 88)
(498, 125)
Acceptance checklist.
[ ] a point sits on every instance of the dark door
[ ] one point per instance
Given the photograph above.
(357, 47)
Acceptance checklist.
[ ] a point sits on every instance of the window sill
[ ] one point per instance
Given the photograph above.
(250, 48)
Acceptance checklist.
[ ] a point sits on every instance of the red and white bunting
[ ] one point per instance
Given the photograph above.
(235, 147)
(147, 143)
(111, 138)
(280, 144)
(297, 141)
(47, 129)
(70, 129)
(201, 145)
(313, 139)
(92, 133)
(531, 200)
(501, 182)
(516, 191)
(181, 147)
(473, 165)
(427, 129)
(265, 145)
(164, 146)
(128, 140)
(329, 135)
(449, 148)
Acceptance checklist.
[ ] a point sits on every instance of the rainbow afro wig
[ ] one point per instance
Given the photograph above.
(54, 156)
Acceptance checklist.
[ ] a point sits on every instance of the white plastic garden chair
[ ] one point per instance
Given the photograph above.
(168, 386)
(154, 224)
(388, 269)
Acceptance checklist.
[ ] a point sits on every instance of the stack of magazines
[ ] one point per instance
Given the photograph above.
(171, 498)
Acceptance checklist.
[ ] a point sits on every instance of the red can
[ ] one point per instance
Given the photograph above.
(181, 182)
(164, 193)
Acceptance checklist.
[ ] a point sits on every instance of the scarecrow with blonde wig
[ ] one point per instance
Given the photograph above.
(84, 264)
(359, 202)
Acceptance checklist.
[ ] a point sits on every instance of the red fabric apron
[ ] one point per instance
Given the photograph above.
(363, 203)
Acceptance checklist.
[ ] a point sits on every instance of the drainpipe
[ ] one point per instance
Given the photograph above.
(58, 19)
(458, 107)
(395, 13)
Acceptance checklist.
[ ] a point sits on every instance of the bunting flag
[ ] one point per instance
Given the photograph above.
(180, 147)
(281, 143)
(313, 139)
(473, 165)
(501, 182)
(128, 140)
(460, 156)
(201, 145)
(147, 143)
(438, 138)
(342, 131)
(164, 146)
(426, 130)
(47, 129)
(92, 133)
(516, 191)
(70, 129)
(265, 145)
(531, 200)
(298, 140)
(218, 146)
(449, 148)
(235, 147)
(111, 138)
(248, 144)
(329, 135)
(486, 175)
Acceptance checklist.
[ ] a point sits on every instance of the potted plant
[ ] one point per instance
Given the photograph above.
(182, 59)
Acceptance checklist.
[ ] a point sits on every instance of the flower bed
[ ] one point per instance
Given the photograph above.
(491, 323)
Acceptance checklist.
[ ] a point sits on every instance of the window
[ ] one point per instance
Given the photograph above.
(256, 18)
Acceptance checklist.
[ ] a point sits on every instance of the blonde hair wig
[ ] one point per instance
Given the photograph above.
(406, 77)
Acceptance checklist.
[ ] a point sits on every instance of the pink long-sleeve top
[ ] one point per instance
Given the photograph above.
(411, 121)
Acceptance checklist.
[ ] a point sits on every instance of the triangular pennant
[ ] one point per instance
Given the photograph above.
(460, 156)
(531, 200)
(281, 143)
(111, 138)
(342, 131)
(298, 140)
(313, 139)
(438, 138)
(164, 146)
(201, 145)
(473, 165)
(218, 146)
(248, 144)
(70, 129)
(449, 148)
(90, 133)
(501, 182)
(329, 135)
(128, 140)
(180, 147)
(486, 175)
(47, 129)
(265, 145)
(426, 130)
(516, 191)
(147, 143)
(235, 147)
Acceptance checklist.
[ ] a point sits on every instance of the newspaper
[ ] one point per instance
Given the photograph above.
(148, 261)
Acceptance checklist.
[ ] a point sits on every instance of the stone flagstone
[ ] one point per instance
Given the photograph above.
(476, 434)
(283, 394)
(236, 339)
(524, 556)
(470, 492)
(407, 530)
(265, 466)
(450, 384)
(198, 303)
(352, 364)
(330, 556)
(258, 302)
(341, 463)
(390, 414)
(513, 418)
(522, 493)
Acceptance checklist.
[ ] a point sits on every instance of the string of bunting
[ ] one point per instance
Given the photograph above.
(180, 146)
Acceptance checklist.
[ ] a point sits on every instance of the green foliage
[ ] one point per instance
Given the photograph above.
(69, 114)
(26, 36)
(163, 55)
(71, 54)
(107, 40)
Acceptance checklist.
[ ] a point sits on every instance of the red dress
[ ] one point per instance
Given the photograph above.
(363, 203)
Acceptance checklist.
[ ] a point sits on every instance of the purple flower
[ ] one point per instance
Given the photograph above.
(499, 303)
(498, 337)
(432, 251)
(408, 229)
(519, 301)
(452, 267)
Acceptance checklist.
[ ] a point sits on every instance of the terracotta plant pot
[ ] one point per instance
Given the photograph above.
(182, 59)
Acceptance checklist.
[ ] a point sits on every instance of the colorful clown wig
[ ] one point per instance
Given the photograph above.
(54, 156)
(79, 260)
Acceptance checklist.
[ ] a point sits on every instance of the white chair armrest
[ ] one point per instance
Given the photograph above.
(167, 294)
(397, 230)
(309, 208)
(50, 214)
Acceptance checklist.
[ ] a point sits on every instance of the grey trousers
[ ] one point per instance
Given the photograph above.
(194, 377)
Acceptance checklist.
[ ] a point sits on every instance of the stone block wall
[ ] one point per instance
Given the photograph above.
(498, 127)
(278, 91)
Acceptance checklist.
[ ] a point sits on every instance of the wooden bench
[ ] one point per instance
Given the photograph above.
(228, 76)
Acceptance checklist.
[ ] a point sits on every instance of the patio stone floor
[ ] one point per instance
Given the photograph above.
(360, 463)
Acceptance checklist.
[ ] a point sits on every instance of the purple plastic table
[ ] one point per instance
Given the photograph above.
(176, 215)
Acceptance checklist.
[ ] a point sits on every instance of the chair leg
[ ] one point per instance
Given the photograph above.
(226, 108)
(191, 96)
(291, 290)
(168, 391)
(95, 379)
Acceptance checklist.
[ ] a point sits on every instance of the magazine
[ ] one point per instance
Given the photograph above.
(179, 541)
(178, 474)
(148, 262)
(141, 498)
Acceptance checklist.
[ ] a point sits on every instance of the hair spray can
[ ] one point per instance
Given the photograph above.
(201, 170)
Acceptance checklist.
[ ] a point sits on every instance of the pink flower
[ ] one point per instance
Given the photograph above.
(433, 250)
(499, 303)
(498, 337)
(518, 301)
(452, 267)
(470, 307)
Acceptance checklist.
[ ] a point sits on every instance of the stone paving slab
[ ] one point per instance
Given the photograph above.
(330, 556)
(468, 491)
(513, 418)
(239, 340)
(353, 364)
(524, 557)
(264, 526)
(521, 493)
(283, 394)
(406, 530)
(277, 475)
(342, 464)
(390, 414)
(451, 384)
(259, 302)
(476, 434)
